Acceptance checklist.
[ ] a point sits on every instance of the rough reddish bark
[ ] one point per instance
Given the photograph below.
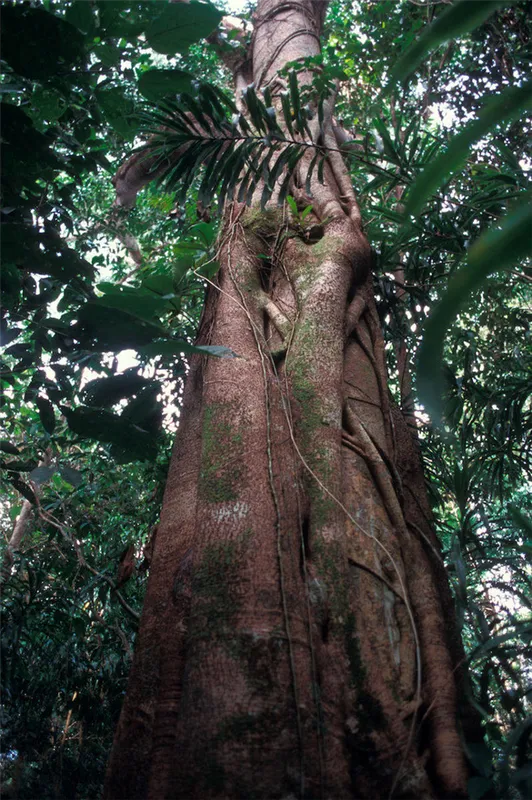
(297, 637)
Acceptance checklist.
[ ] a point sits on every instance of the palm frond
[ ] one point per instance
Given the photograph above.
(236, 154)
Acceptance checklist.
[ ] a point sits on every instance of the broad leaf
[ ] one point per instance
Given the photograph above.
(145, 410)
(173, 347)
(47, 105)
(180, 25)
(117, 21)
(19, 466)
(41, 474)
(105, 392)
(102, 328)
(41, 252)
(161, 285)
(8, 447)
(72, 476)
(46, 413)
(24, 488)
(109, 55)
(109, 428)
(118, 110)
(205, 231)
(140, 303)
(81, 14)
(37, 44)
(156, 84)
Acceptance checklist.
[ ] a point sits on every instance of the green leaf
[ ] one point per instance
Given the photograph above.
(253, 106)
(217, 350)
(494, 642)
(108, 54)
(46, 413)
(208, 269)
(460, 18)
(72, 476)
(479, 754)
(109, 428)
(188, 136)
(104, 392)
(173, 347)
(48, 105)
(219, 103)
(205, 231)
(40, 475)
(117, 21)
(506, 106)
(304, 214)
(19, 466)
(287, 112)
(308, 179)
(156, 84)
(24, 488)
(14, 511)
(117, 109)
(7, 447)
(295, 100)
(293, 205)
(10, 282)
(387, 213)
(146, 409)
(295, 154)
(180, 25)
(161, 285)
(142, 304)
(80, 14)
(389, 147)
(103, 328)
(519, 732)
(180, 267)
(496, 249)
(37, 44)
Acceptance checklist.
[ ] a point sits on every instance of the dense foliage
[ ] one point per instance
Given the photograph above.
(100, 307)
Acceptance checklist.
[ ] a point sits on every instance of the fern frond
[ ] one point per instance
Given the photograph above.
(202, 133)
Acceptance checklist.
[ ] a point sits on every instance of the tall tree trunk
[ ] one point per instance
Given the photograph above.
(297, 636)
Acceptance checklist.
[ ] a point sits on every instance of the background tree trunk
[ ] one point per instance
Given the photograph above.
(297, 638)
(20, 527)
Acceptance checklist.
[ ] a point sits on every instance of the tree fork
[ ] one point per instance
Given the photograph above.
(296, 638)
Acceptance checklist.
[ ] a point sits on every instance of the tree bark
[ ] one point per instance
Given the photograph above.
(20, 527)
(297, 638)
